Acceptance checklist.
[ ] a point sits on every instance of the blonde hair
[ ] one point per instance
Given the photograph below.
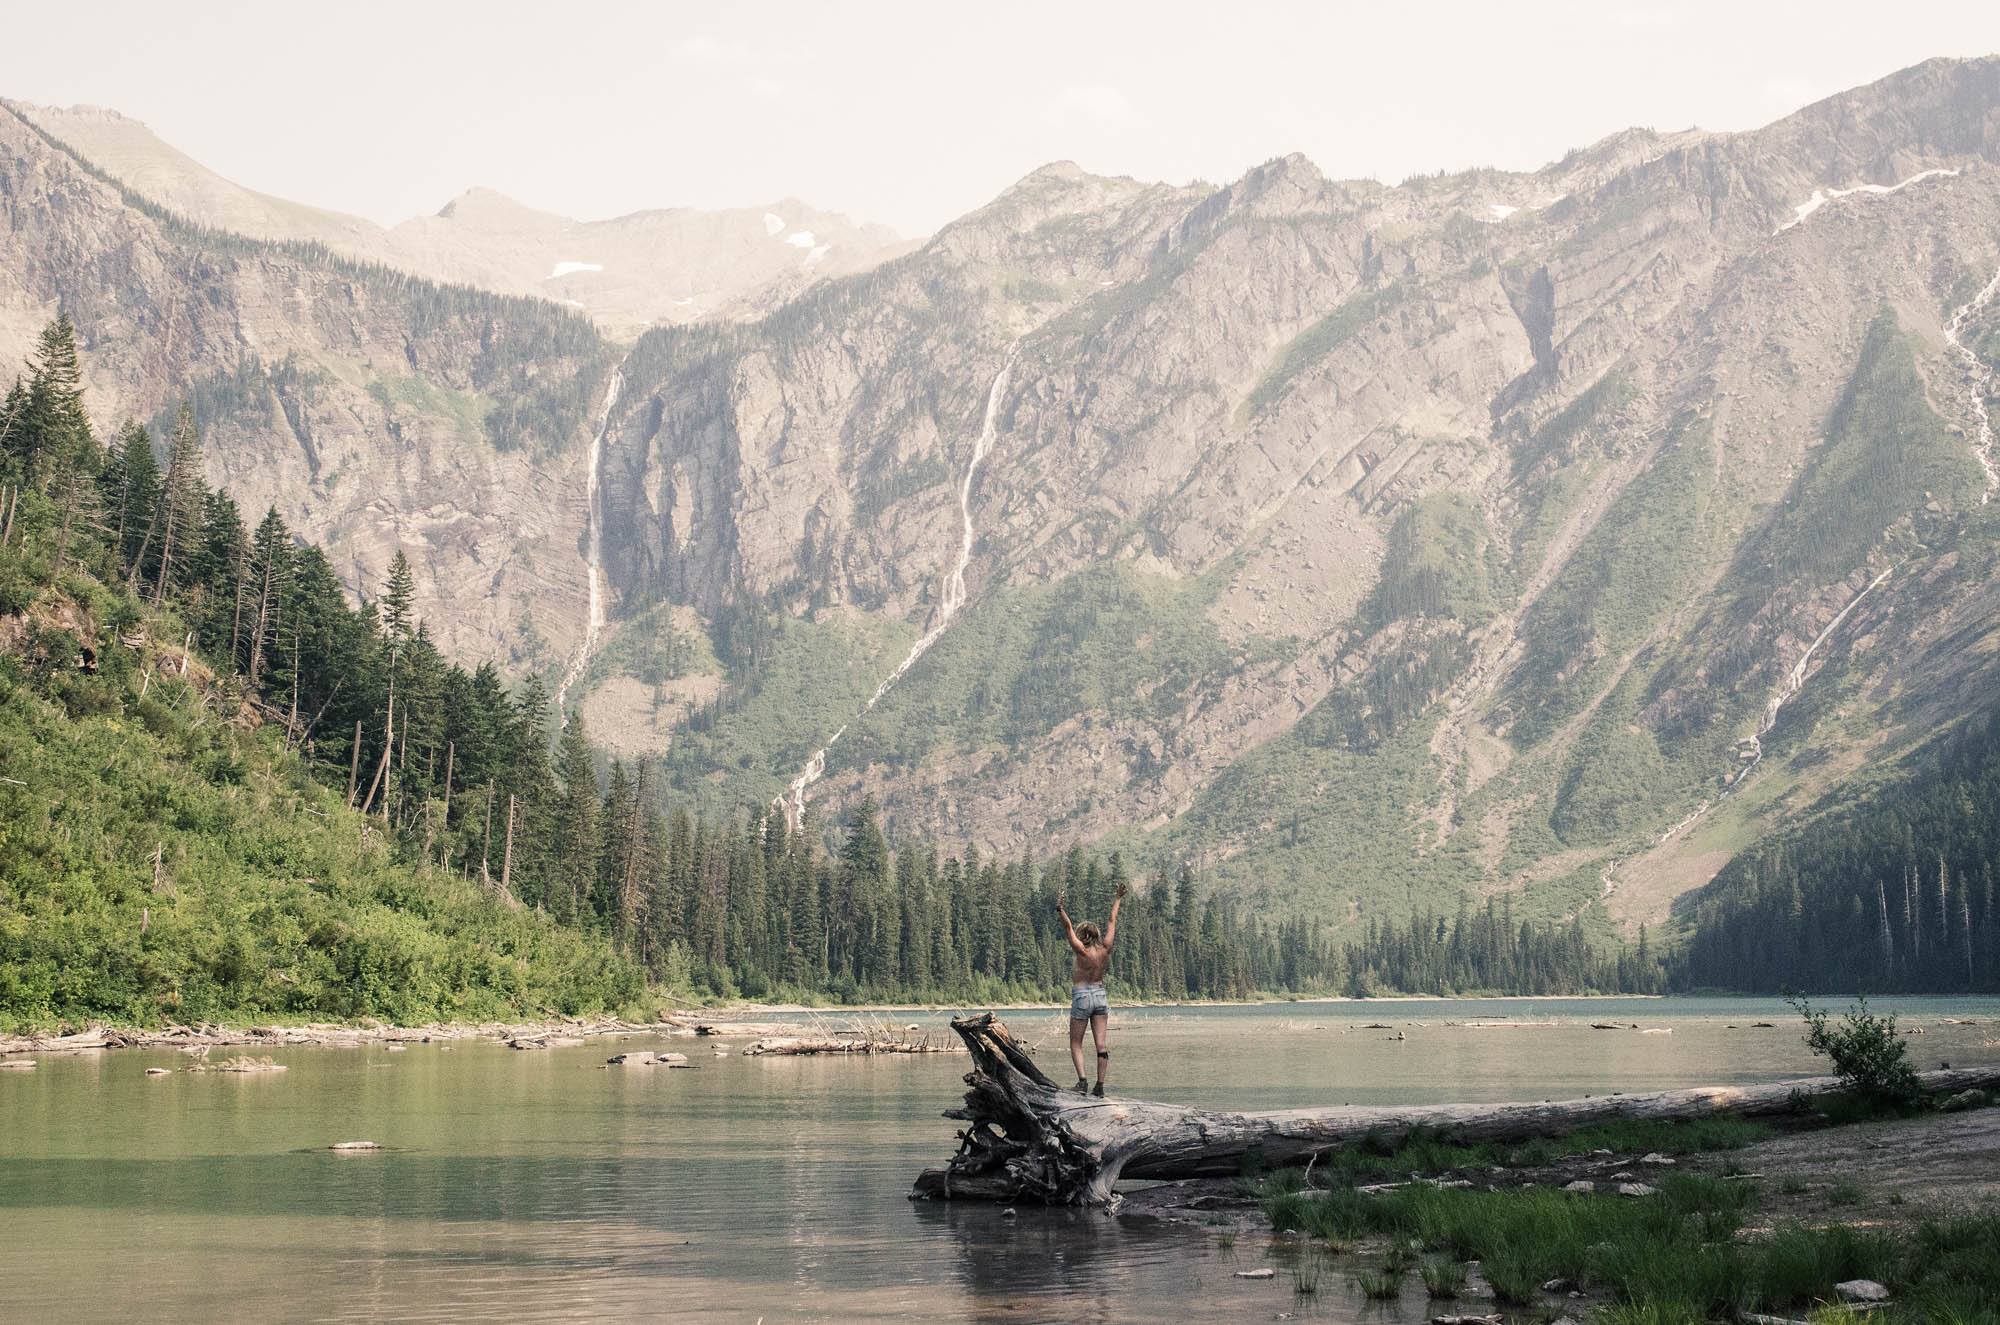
(1087, 931)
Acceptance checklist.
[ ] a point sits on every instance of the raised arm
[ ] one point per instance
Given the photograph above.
(1111, 925)
(1075, 943)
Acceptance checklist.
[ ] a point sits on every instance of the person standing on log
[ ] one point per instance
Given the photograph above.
(1087, 1002)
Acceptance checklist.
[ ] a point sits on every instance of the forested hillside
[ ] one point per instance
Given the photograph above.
(1894, 893)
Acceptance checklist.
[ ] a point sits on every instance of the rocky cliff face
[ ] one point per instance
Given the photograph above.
(672, 265)
(363, 404)
(1486, 488)
(1367, 545)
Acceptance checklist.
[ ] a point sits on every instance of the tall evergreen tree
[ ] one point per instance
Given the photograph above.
(572, 896)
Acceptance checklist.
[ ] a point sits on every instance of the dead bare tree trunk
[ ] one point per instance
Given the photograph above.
(507, 858)
(354, 764)
(1030, 1140)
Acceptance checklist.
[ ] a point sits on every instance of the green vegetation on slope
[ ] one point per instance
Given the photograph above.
(160, 862)
(1629, 573)
(1317, 341)
(1887, 454)
(1108, 640)
(1439, 563)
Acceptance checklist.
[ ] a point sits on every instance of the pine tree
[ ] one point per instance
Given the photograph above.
(178, 511)
(132, 487)
(269, 578)
(572, 896)
(57, 428)
(398, 598)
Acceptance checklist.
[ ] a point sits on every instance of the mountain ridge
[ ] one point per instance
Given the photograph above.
(1368, 543)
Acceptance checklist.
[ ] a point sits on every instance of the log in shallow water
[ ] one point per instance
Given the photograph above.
(1028, 1139)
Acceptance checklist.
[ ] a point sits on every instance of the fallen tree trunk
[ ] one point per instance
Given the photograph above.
(804, 1045)
(1029, 1139)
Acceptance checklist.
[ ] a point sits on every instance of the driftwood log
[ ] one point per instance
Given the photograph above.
(1028, 1139)
(798, 1045)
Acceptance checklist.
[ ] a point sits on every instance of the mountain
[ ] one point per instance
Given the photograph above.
(1552, 533)
(625, 274)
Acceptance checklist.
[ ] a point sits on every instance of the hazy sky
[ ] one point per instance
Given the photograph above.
(914, 113)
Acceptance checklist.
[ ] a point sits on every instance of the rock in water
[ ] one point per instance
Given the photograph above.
(157, 1072)
(1265, 1273)
(17, 1064)
(637, 1058)
(355, 1145)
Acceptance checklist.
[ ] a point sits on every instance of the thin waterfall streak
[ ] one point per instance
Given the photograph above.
(593, 557)
(1795, 681)
(1981, 380)
(950, 599)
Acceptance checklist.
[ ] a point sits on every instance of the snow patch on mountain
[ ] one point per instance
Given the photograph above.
(1821, 197)
(773, 223)
(567, 268)
(800, 239)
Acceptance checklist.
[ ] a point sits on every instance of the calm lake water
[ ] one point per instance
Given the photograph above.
(536, 1186)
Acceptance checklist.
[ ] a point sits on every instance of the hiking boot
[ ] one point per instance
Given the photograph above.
(1098, 1090)
(1083, 1087)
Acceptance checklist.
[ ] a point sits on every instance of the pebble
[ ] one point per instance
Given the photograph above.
(1862, 1290)
(1266, 1273)
(157, 1072)
(1654, 1157)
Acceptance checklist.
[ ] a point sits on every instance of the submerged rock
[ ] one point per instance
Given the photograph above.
(355, 1145)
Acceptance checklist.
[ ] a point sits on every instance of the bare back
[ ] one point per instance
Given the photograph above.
(1091, 963)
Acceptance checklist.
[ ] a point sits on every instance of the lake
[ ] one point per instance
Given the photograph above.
(546, 1186)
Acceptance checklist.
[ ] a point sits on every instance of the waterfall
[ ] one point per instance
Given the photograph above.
(1982, 377)
(950, 600)
(593, 557)
(1795, 680)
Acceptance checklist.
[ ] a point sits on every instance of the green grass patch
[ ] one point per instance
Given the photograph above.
(1675, 1256)
(405, 398)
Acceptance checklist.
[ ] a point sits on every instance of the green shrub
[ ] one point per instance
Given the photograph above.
(1866, 1052)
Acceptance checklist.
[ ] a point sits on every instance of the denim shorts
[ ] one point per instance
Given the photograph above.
(1086, 1001)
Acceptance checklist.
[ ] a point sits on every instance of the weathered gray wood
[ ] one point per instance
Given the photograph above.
(1029, 1139)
